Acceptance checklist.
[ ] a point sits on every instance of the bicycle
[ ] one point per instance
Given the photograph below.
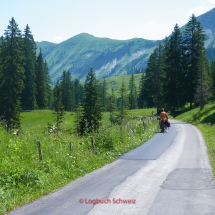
(162, 126)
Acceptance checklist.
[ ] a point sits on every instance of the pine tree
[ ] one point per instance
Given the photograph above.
(204, 83)
(78, 93)
(48, 83)
(213, 76)
(174, 78)
(28, 98)
(67, 87)
(193, 46)
(141, 96)
(58, 105)
(133, 93)
(41, 82)
(159, 76)
(123, 103)
(152, 91)
(12, 61)
(147, 91)
(91, 115)
(103, 90)
(112, 105)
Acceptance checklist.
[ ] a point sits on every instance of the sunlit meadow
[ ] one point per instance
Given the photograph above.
(40, 160)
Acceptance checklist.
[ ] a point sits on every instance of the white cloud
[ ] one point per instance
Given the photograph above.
(212, 1)
(199, 10)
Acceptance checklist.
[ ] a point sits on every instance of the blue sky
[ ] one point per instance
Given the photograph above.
(58, 20)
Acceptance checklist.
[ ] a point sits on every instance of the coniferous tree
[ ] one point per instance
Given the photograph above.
(141, 96)
(133, 93)
(213, 76)
(173, 82)
(204, 82)
(159, 76)
(152, 90)
(54, 94)
(91, 115)
(112, 105)
(28, 98)
(67, 87)
(12, 61)
(41, 82)
(48, 83)
(103, 90)
(148, 89)
(193, 46)
(58, 105)
(78, 93)
(123, 103)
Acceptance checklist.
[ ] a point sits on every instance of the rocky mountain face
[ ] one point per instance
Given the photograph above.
(110, 57)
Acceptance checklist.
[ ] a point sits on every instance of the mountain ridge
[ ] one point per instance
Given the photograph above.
(110, 57)
(107, 56)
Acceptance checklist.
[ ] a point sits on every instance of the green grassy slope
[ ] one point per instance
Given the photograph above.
(115, 82)
(45, 46)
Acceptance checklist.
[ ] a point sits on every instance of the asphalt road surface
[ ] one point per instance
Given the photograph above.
(169, 175)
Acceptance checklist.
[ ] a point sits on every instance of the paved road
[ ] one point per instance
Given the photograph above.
(169, 174)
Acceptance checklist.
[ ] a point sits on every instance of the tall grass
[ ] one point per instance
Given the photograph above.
(65, 157)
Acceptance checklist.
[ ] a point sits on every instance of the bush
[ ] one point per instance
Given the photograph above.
(105, 138)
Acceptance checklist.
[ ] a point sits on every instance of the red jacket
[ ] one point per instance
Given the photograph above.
(163, 116)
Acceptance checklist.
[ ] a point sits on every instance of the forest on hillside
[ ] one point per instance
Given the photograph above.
(178, 73)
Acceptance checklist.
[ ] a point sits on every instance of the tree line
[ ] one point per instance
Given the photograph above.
(178, 73)
(24, 78)
(25, 85)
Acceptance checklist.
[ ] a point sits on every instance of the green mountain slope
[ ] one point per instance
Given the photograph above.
(110, 57)
(45, 46)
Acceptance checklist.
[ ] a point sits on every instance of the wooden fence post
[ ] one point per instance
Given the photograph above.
(70, 147)
(40, 150)
(92, 142)
(144, 125)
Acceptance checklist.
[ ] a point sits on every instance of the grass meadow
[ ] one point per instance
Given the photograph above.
(26, 175)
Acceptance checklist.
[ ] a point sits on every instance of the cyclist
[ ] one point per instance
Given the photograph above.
(163, 118)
